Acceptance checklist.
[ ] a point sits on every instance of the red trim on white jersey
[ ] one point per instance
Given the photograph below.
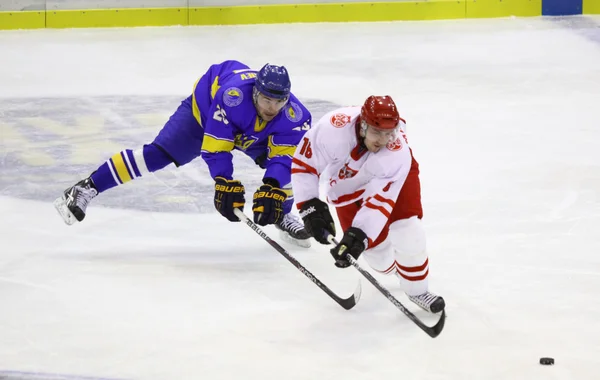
(385, 200)
(385, 212)
(354, 173)
(348, 197)
(377, 202)
(306, 168)
(358, 152)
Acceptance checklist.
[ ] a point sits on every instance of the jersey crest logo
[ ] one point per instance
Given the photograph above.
(243, 142)
(233, 96)
(395, 145)
(346, 172)
(293, 112)
(340, 120)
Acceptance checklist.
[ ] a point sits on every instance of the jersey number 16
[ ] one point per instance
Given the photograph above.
(306, 150)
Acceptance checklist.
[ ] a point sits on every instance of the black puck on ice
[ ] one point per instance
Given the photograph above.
(546, 361)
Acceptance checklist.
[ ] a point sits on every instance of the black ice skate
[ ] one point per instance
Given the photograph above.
(292, 230)
(74, 201)
(429, 302)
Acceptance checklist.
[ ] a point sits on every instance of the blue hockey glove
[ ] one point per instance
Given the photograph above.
(229, 194)
(354, 242)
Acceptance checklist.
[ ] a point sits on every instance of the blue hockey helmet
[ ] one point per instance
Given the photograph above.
(273, 81)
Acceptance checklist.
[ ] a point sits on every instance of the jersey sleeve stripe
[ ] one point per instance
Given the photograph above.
(385, 200)
(276, 150)
(379, 208)
(348, 197)
(300, 171)
(306, 166)
(195, 108)
(213, 144)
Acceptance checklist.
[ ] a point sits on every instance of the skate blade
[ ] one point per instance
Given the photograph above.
(61, 206)
(300, 243)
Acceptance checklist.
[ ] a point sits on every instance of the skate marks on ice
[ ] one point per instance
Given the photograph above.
(582, 25)
(47, 144)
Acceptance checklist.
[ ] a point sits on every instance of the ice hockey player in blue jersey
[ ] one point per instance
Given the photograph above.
(231, 107)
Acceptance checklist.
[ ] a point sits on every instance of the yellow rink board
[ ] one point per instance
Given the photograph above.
(503, 8)
(331, 12)
(22, 20)
(96, 18)
(591, 7)
(280, 13)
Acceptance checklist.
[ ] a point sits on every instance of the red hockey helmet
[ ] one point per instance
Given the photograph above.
(380, 112)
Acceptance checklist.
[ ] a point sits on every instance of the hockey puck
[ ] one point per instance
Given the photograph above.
(546, 361)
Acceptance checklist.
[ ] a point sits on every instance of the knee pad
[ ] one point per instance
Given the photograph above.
(408, 237)
(381, 258)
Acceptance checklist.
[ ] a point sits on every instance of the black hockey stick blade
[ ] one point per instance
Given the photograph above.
(432, 331)
(346, 303)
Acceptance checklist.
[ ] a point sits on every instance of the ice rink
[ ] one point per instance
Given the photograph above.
(502, 115)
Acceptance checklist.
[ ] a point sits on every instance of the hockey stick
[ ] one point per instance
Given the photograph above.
(432, 331)
(346, 303)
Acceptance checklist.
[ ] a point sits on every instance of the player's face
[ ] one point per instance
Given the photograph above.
(267, 108)
(376, 138)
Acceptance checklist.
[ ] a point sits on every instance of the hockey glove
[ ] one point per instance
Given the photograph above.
(353, 243)
(317, 219)
(268, 203)
(229, 194)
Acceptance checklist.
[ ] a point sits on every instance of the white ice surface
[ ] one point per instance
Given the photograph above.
(503, 118)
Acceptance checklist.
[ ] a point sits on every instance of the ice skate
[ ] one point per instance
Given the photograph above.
(74, 201)
(292, 230)
(429, 302)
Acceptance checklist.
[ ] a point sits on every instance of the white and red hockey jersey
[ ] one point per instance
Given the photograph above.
(331, 151)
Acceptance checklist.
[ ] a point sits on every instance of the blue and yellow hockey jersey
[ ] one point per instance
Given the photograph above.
(222, 104)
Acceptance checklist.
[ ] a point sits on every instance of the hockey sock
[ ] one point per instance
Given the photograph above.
(127, 165)
(289, 201)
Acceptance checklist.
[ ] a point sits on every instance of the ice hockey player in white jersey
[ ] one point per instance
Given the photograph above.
(363, 157)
